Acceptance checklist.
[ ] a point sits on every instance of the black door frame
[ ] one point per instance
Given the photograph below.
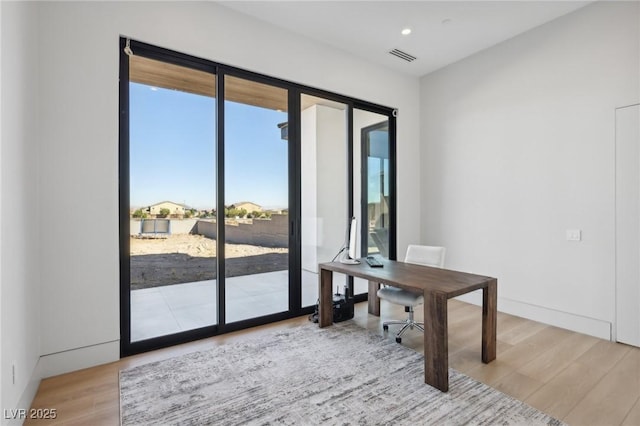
(364, 201)
(294, 115)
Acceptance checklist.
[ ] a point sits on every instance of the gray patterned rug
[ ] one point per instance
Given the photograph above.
(340, 375)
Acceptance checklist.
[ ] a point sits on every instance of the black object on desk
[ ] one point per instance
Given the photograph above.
(373, 262)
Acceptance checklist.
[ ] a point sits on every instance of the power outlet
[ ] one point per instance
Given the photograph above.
(574, 235)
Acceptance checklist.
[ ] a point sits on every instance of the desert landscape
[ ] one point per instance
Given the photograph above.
(182, 258)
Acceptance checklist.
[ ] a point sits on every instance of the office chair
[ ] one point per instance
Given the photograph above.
(419, 255)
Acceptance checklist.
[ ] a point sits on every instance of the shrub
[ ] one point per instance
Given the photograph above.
(234, 212)
(140, 214)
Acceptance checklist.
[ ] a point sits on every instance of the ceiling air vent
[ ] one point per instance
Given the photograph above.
(403, 55)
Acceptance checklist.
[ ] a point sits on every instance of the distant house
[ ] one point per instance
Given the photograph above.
(175, 210)
(247, 205)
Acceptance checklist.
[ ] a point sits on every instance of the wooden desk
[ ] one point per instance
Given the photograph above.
(438, 285)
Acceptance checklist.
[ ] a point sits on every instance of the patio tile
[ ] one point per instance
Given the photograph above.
(196, 316)
(189, 295)
(170, 309)
(153, 324)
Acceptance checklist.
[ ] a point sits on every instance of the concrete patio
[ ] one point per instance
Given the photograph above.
(159, 311)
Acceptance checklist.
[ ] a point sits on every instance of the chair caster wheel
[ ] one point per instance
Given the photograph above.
(385, 327)
(398, 339)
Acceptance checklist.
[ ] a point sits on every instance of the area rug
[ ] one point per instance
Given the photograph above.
(340, 375)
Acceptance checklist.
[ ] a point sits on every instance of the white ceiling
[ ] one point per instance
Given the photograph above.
(443, 32)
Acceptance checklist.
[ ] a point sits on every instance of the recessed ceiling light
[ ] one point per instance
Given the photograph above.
(406, 31)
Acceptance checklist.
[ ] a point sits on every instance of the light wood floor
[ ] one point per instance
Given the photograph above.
(579, 379)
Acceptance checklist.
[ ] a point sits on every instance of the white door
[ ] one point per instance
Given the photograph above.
(628, 225)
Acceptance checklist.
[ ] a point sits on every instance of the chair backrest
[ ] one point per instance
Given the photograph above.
(425, 255)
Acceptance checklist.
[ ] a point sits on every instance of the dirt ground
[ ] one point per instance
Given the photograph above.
(188, 258)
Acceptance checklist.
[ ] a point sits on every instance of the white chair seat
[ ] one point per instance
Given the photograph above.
(400, 296)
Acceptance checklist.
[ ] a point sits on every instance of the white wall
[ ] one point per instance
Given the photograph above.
(309, 189)
(1, 322)
(331, 178)
(518, 146)
(19, 224)
(324, 195)
(79, 148)
(627, 328)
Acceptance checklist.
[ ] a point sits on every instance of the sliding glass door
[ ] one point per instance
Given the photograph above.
(205, 200)
(233, 187)
(374, 183)
(256, 191)
(325, 197)
(375, 187)
(172, 187)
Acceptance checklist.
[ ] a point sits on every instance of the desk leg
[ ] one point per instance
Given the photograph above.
(374, 300)
(436, 346)
(325, 308)
(489, 321)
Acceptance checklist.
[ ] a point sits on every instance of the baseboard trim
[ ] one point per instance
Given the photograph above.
(578, 323)
(60, 363)
(78, 358)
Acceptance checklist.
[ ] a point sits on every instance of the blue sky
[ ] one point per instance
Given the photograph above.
(173, 152)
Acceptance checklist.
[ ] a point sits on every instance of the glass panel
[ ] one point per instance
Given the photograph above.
(376, 149)
(324, 189)
(371, 156)
(172, 196)
(256, 200)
